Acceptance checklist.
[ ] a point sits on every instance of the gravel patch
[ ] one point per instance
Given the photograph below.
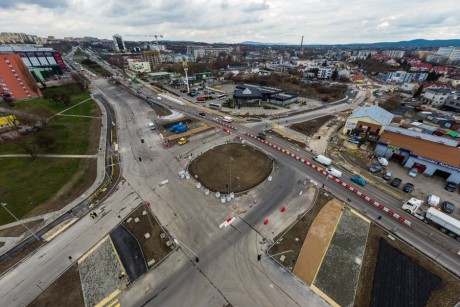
(339, 274)
(100, 274)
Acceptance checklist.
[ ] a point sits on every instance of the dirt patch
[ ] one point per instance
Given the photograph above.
(446, 295)
(64, 291)
(285, 137)
(154, 247)
(287, 241)
(18, 230)
(233, 167)
(310, 127)
(11, 261)
(317, 241)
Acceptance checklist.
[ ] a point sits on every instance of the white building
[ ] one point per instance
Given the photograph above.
(452, 53)
(395, 54)
(324, 73)
(118, 43)
(435, 97)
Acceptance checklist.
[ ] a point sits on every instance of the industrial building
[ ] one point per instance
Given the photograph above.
(431, 155)
(16, 81)
(246, 94)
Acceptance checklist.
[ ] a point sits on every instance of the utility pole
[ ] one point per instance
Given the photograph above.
(185, 66)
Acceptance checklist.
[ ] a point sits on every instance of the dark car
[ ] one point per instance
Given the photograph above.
(396, 182)
(408, 187)
(450, 186)
(448, 207)
(262, 135)
(202, 114)
(375, 169)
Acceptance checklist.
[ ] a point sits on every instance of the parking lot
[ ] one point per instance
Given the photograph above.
(423, 185)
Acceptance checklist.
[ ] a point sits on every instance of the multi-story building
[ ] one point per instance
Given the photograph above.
(453, 102)
(436, 58)
(324, 72)
(152, 57)
(42, 62)
(452, 53)
(402, 77)
(16, 81)
(203, 51)
(436, 97)
(118, 43)
(395, 54)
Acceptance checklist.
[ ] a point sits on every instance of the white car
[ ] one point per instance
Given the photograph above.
(382, 161)
(413, 172)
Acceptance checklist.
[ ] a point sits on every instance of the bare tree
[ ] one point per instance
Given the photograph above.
(29, 147)
(43, 115)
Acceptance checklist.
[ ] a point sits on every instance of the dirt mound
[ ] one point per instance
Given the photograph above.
(231, 167)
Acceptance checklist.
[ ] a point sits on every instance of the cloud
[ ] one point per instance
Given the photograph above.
(319, 21)
(4, 4)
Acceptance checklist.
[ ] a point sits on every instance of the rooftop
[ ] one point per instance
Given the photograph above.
(376, 113)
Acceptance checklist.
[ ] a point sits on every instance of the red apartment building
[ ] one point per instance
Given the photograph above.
(15, 78)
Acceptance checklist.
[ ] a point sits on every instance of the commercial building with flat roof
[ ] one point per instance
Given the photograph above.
(431, 155)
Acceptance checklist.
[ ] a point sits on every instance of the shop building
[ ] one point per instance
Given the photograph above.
(430, 154)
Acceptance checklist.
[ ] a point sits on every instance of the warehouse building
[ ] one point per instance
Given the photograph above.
(431, 155)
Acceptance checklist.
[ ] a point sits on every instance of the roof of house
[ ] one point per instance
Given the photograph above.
(374, 112)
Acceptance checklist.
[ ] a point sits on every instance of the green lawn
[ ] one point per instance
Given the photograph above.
(26, 183)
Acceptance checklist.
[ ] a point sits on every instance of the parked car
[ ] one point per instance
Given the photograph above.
(358, 180)
(450, 186)
(447, 207)
(202, 114)
(395, 182)
(354, 139)
(375, 169)
(200, 99)
(182, 141)
(382, 161)
(387, 176)
(408, 187)
(413, 172)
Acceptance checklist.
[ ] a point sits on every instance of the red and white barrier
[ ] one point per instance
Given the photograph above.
(225, 124)
(320, 170)
(227, 222)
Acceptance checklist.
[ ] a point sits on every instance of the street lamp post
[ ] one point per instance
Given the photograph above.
(230, 177)
(177, 241)
(23, 225)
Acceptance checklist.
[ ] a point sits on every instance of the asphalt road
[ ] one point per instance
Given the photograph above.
(130, 252)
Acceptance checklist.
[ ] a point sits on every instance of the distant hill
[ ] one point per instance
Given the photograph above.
(401, 44)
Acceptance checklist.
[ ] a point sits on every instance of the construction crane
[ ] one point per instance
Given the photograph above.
(149, 35)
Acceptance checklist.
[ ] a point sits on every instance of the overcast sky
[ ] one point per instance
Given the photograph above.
(233, 21)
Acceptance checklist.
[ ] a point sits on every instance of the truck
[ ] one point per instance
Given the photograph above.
(445, 223)
(227, 119)
(433, 200)
(334, 172)
(181, 129)
(323, 160)
(414, 207)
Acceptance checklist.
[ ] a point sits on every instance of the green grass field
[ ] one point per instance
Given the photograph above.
(26, 183)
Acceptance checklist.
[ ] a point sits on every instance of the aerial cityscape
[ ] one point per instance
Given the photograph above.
(253, 153)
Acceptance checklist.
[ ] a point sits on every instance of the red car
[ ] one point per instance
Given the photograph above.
(200, 99)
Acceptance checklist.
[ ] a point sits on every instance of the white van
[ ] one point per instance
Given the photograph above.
(227, 119)
(334, 172)
(323, 160)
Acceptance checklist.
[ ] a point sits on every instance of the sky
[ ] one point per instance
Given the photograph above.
(234, 21)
